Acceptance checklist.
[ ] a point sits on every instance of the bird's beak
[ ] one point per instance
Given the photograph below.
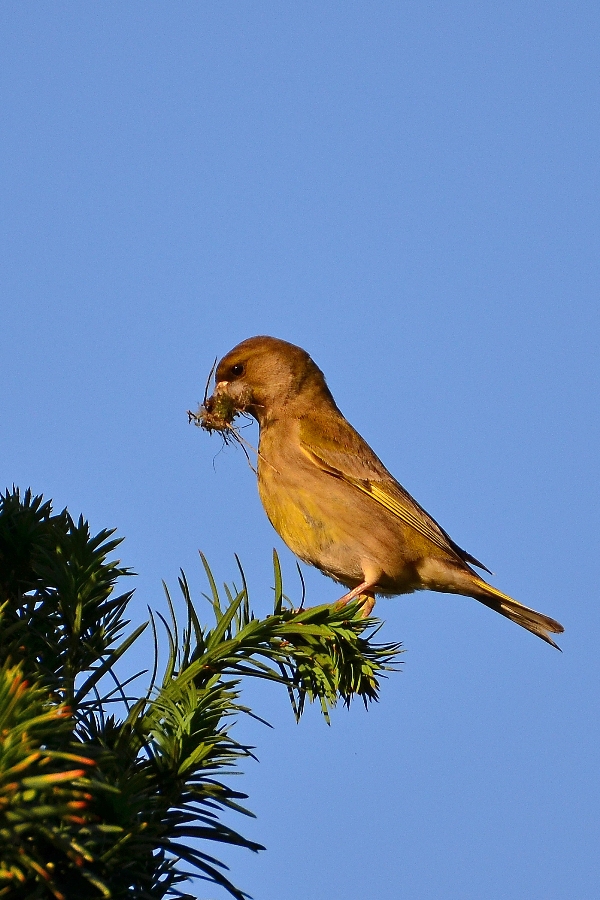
(236, 393)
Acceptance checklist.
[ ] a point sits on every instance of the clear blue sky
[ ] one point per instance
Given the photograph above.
(410, 192)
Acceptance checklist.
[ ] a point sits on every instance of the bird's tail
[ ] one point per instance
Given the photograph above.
(533, 621)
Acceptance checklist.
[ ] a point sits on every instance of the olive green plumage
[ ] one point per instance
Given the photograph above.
(333, 501)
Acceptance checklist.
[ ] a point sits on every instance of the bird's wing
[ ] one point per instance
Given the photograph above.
(354, 462)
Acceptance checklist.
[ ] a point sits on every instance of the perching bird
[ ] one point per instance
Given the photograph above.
(332, 500)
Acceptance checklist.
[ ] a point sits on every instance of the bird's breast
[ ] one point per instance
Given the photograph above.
(310, 511)
(300, 507)
(329, 523)
(294, 514)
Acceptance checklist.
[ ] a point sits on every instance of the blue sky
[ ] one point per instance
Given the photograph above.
(410, 192)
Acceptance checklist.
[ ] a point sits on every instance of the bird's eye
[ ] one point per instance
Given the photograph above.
(237, 370)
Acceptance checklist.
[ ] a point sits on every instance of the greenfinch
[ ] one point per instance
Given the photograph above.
(329, 496)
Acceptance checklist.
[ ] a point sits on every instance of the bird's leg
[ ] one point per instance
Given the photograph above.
(366, 587)
(362, 590)
(369, 603)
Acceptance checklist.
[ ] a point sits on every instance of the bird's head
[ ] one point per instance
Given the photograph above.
(262, 375)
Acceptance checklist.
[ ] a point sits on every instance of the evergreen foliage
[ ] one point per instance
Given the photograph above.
(122, 805)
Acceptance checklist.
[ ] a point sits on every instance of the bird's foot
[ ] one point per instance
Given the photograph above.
(361, 592)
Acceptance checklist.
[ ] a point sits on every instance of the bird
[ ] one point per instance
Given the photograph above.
(331, 499)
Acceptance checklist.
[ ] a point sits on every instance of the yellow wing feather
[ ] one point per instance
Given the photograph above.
(393, 497)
